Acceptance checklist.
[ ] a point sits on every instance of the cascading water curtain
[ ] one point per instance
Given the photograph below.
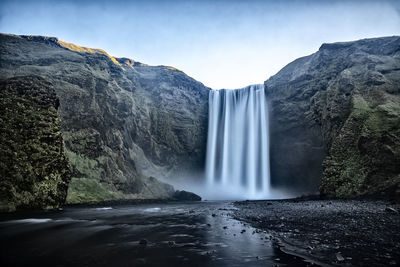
(237, 163)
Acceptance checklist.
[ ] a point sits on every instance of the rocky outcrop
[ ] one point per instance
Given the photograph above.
(335, 116)
(34, 171)
(122, 121)
(185, 196)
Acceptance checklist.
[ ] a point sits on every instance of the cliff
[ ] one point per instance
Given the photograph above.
(34, 170)
(335, 119)
(131, 129)
(125, 125)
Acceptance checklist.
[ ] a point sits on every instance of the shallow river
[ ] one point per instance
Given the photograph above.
(170, 234)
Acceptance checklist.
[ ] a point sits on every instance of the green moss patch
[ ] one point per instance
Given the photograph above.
(85, 190)
(364, 158)
(85, 167)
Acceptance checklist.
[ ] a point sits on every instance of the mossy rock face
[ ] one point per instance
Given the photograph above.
(122, 121)
(335, 120)
(86, 190)
(365, 156)
(34, 171)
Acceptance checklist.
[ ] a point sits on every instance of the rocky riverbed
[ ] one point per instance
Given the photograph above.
(330, 232)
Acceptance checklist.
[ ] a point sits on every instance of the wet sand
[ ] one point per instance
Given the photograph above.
(331, 232)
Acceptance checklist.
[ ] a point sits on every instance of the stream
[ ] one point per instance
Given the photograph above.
(167, 234)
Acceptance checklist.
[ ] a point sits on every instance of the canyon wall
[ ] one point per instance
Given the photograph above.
(335, 119)
(130, 130)
(127, 127)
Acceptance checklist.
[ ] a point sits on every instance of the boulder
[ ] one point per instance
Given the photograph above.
(185, 196)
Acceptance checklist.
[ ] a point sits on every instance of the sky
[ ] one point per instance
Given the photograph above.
(221, 43)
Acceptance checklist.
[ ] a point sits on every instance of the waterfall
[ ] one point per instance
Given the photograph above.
(237, 162)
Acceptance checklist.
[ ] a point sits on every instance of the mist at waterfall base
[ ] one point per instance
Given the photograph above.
(237, 162)
(237, 158)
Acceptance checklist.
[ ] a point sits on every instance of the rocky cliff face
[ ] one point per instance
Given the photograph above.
(124, 123)
(335, 116)
(34, 170)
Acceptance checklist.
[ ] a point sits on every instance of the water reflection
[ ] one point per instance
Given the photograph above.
(176, 234)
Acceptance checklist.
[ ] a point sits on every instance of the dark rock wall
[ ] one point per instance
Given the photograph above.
(34, 171)
(122, 121)
(335, 119)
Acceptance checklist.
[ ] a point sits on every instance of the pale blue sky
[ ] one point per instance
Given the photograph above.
(223, 44)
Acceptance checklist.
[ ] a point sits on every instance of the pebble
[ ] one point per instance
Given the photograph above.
(140, 261)
(143, 242)
(339, 257)
(392, 210)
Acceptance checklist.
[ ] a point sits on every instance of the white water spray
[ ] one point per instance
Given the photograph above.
(237, 163)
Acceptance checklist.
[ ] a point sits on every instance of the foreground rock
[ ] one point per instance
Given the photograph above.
(185, 195)
(359, 233)
(335, 115)
(122, 121)
(34, 171)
